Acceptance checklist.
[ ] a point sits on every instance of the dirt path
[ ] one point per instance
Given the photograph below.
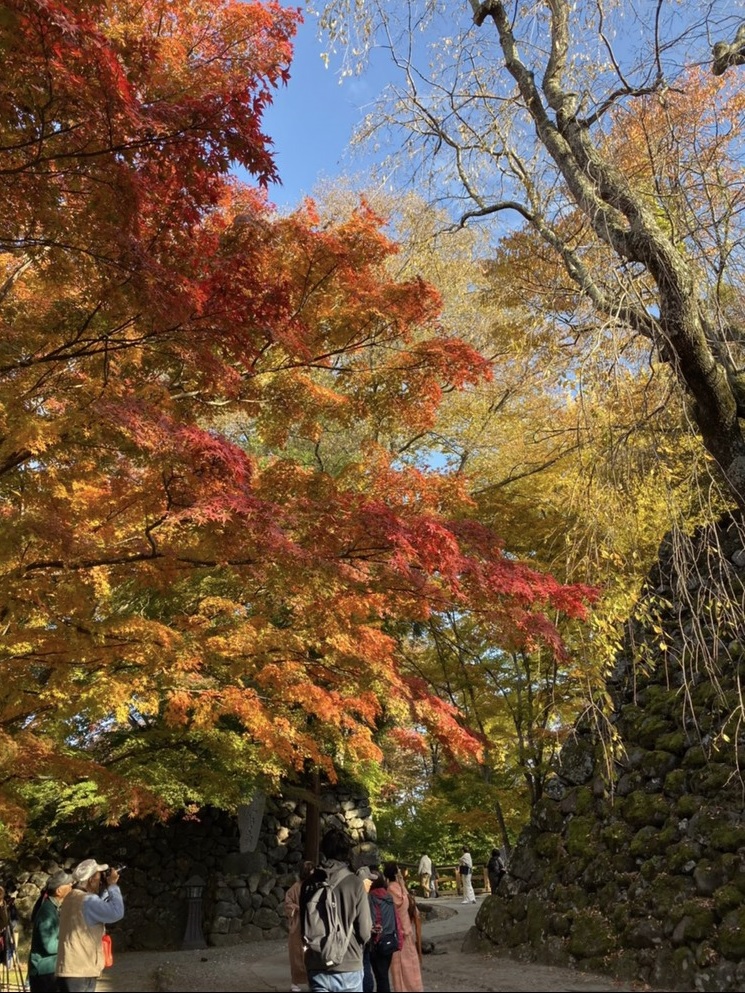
(262, 968)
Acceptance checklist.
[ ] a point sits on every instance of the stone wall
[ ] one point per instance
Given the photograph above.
(245, 878)
(637, 868)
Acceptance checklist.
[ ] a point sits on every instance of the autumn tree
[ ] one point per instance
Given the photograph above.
(191, 605)
(583, 473)
(609, 177)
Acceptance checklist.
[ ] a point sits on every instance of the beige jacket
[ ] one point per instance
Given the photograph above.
(80, 953)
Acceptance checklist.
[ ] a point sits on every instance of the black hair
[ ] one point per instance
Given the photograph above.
(390, 870)
(336, 845)
(378, 881)
(305, 871)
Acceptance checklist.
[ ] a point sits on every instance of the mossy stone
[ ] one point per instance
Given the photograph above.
(682, 856)
(652, 868)
(518, 906)
(585, 800)
(676, 742)
(495, 919)
(578, 833)
(537, 921)
(647, 841)
(661, 699)
(695, 758)
(711, 778)
(703, 693)
(732, 935)
(651, 728)
(597, 873)
(665, 892)
(615, 835)
(547, 816)
(592, 936)
(560, 924)
(698, 921)
(640, 809)
(688, 805)
(569, 898)
(727, 898)
(547, 846)
(659, 763)
(727, 837)
(676, 783)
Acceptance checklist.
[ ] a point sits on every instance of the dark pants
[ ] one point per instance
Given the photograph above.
(76, 984)
(43, 984)
(381, 963)
(368, 980)
(494, 881)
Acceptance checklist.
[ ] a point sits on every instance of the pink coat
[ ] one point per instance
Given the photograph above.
(406, 970)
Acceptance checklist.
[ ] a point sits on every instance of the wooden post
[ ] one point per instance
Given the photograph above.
(313, 821)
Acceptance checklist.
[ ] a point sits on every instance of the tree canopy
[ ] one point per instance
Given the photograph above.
(620, 158)
(191, 602)
(596, 147)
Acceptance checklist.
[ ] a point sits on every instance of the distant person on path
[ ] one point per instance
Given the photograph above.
(45, 933)
(465, 867)
(84, 914)
(6, 935)
(298, 975)
(495, 869)
(425, 874)
(345, 976)
(433, 888)
(406, 967)
(8, 923)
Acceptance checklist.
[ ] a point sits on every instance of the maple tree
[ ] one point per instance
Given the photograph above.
(581, 451)
(608, 179)
(191, 603)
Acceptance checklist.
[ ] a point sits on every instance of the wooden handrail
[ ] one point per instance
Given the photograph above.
(447, 874)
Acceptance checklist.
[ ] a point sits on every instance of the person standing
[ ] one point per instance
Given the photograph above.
(298, 975)
(84, 914)
(6, 933)
(495, 869)
(45, 933)
(406, 967)
(387, 931)
(433, 888)
(354, 909)
(367, 873)
(465, 867)
(425, 874)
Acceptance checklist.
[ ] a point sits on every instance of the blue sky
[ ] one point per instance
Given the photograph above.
(312, 119)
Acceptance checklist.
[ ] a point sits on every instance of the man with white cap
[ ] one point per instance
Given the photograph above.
(83, 918)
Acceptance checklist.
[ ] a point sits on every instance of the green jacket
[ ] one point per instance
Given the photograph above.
(44, 939)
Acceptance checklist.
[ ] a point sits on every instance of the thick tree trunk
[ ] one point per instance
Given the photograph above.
(619, 216)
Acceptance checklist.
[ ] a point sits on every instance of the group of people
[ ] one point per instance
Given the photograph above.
(68, 925)
(495, 869)
(365, 899)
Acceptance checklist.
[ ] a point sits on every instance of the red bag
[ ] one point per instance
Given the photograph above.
(108, 954)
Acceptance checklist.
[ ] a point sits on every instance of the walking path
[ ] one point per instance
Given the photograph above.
(262, 967)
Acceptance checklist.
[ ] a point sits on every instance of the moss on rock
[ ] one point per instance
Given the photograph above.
(592, 935)
(640, 809)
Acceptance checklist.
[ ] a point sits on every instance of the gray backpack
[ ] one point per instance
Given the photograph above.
(320, 920)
